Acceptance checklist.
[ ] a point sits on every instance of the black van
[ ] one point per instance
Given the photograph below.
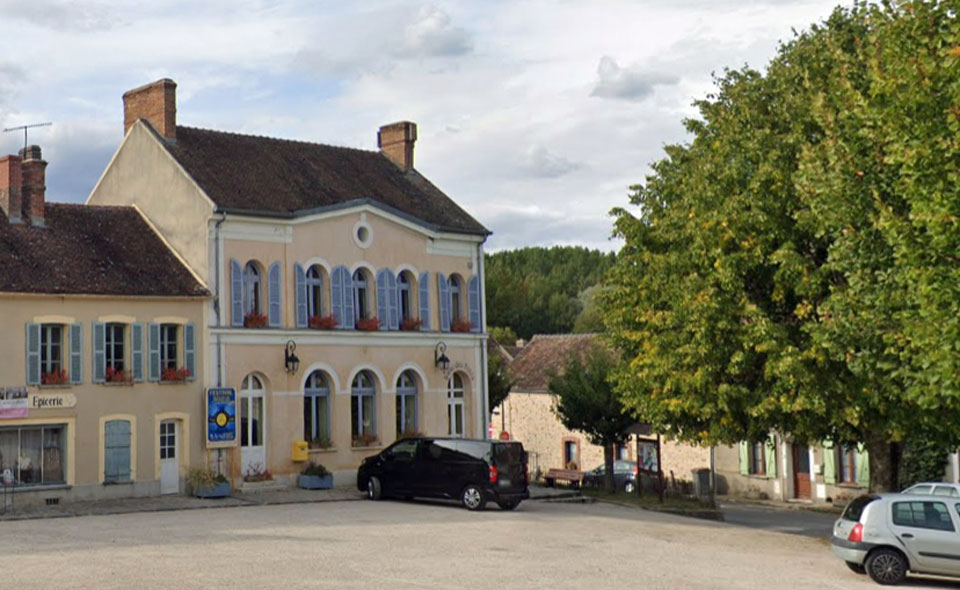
(472, 471)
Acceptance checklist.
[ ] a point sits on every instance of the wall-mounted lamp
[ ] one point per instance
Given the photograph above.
(440, 359)
(290, 361)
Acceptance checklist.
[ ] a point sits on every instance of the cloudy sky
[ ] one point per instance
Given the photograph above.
(535, 116)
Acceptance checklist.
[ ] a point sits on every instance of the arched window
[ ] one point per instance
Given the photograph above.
(315, 291)
(455, 297)
(251, 289)
(363, 410)
(406, 289)
(455, 405)
(316, 410)
(406, 404)
(361, 302)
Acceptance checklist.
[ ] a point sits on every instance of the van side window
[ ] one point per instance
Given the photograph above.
(477, 450)
(405, 449)
(440, 450)
(925, 515)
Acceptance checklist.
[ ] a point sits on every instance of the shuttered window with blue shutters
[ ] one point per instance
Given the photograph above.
(153, 352)
(443, 291)
(236, 294)
(341, 297)
(33, 354)
(423, 296)
(383, 293)
(99, 352)
(473, 302)
(136, 351)
(190, 351)
(275, 286)
(76, 353)
(300, 287)
(116, 452)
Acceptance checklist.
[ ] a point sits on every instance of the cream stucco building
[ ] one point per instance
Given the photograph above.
(351, 256)
(101, 346)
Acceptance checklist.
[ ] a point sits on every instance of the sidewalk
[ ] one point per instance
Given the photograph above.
(246, 498)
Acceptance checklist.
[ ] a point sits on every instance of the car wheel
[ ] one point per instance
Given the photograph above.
(886, 567)
(856, 567)
(629, 487)
(509, 504)
(374, 488)
(472, 498)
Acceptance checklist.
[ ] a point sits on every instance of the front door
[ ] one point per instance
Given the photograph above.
(801, 472)
(253, 456)
(169, 458)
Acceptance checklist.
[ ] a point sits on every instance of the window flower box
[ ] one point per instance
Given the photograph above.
(326, 322)
(320, 443)
(174, 375)
(411, 325)
(365, 440)
(461, 326)
(254, 319)
(55, 378)
(368, 324)
(118, 376)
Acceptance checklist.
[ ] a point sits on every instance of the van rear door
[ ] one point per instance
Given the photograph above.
(509, 460)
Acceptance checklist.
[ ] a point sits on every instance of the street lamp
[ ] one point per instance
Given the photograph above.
(290, 361)
(440, 359)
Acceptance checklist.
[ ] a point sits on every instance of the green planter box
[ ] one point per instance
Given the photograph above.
(217, 490)
(315, 482)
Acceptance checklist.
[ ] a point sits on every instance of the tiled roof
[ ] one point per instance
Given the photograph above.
(543, 355)
(268, 176)
(91, 250)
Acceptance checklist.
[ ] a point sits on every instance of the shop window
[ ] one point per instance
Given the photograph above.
(32, 455)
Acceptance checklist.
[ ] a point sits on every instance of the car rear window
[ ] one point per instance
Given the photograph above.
(945, 491)
(918, 490)
(509, 453)
(855, 508)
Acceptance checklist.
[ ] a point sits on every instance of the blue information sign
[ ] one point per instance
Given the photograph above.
(221, 417)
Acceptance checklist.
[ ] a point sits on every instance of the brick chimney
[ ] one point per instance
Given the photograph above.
(33, 171)
(156, 103)
(396, 143)
(11, 201)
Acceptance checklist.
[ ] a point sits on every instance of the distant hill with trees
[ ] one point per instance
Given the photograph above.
(545, 290)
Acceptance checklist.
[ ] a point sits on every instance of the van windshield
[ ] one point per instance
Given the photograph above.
(855, 508)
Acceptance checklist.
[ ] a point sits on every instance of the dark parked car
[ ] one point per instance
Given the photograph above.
(471, 471)
(624, 476)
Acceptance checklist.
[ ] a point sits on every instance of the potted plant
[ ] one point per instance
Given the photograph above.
(54, 378)
(368, 324)
(113, 375)
(365, 440)
(326, 322)
(410, 324)
(461, 326)
(174, 375)
(314, 476)
(254, 319)
(206, 483)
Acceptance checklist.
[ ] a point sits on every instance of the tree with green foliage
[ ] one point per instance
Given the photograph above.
(794, 267)
(586, 401)
(504, 335)
(535, 290)
(590, 320)
(499, 380)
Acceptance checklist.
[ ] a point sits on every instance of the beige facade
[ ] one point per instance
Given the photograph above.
(530, 419)
(59, 449)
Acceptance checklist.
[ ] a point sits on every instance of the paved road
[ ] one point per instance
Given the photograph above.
(411, 545)
(783, 520)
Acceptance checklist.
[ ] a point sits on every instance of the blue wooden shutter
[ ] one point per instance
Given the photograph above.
(136, 351)
(236, 294)
(443, 290)
(300, 278)
(276, 297)
(116, 453)
(99, 352)
(190, 350)
(341, 297)
(393, 301)
(76, 353)
(473, 302)
(153, 346)
(349, 321)
(383, 290)
(33, 354)
(423, 288)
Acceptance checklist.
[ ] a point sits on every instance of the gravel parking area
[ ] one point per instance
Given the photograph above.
(412, 545)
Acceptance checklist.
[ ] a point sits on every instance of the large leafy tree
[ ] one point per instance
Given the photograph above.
(794, 267)
(586, 401)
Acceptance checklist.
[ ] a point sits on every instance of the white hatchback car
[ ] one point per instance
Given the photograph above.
(934, 488)
(887, 535)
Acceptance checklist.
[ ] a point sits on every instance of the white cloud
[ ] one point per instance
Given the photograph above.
(433, 35)
(60, 15)
(630, 83)
(538, 161)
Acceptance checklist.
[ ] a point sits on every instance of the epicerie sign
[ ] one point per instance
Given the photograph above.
(52, 401)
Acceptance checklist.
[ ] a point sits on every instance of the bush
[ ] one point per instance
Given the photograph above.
(315, 469)
(922, 460)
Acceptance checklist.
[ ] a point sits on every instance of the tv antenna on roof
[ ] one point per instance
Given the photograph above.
(25, 127)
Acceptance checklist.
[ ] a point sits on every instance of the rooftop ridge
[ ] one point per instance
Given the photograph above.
(278, 139)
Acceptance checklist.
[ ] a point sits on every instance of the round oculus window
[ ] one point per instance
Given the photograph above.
(362, 234)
